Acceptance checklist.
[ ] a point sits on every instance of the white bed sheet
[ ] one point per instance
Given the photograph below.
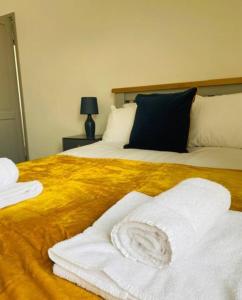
(228, 158)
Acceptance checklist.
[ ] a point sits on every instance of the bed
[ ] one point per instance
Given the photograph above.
(82, 183)
(214, 157)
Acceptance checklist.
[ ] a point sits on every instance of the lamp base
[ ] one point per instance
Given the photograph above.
(90, 127)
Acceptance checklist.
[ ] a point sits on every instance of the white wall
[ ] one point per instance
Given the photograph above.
(75, 48)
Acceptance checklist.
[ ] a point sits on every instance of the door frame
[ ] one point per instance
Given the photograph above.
(11, 16)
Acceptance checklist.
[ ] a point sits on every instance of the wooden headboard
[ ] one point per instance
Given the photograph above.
(205, 88)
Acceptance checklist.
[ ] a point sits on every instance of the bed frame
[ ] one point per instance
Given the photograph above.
(205, 88)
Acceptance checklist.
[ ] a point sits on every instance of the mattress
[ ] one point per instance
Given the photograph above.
(213, 157)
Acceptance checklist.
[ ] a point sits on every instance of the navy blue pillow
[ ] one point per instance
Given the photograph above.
(162, 121)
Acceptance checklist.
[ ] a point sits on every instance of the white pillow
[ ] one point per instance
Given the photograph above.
(120, 123)
(216, 121)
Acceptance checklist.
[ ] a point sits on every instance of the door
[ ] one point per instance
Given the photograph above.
(12, 143)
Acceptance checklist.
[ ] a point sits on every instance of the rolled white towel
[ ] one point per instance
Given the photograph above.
(18, 192)
(159, 232)
(90, 260)
(8, 172)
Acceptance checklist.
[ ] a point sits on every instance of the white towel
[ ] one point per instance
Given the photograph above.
(163, 230)
(211, 271)
(95, 240)
(63, 273)
(18, 192)
(12, 192)
(8, 172)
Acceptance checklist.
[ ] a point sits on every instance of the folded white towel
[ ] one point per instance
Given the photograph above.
(73, 254)
(18, 192)
(8, 172)
(12, 192)
(211, 271)
(63, 273)
(161, 231)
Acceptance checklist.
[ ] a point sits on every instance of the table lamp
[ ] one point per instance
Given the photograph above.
(89, 107)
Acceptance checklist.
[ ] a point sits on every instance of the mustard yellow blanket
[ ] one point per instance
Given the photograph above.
(76, 192)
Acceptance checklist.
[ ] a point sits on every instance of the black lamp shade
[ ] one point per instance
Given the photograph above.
(89, 106)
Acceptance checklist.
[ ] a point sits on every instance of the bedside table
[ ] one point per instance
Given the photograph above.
(78, 141)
